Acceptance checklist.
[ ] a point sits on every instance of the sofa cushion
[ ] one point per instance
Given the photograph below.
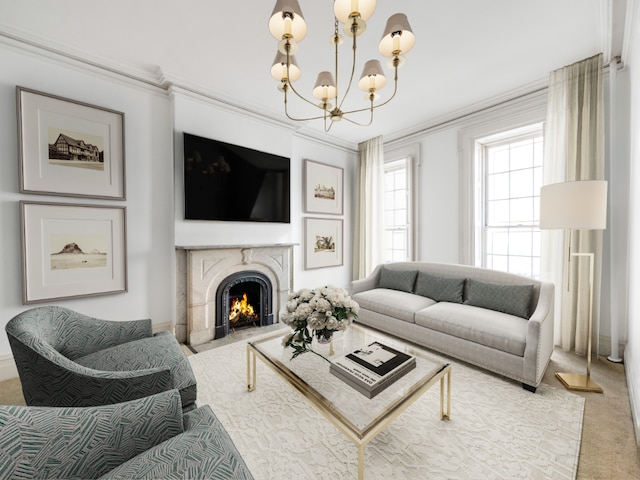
(490, 328)
(84, 442)
(441, 289)
(400, 305)
(402, 280)
(158, 351)
(506, 298)
(204, 450)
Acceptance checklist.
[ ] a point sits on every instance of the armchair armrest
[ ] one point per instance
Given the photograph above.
(50, 379)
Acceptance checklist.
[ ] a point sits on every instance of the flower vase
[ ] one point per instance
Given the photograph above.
(325, 337)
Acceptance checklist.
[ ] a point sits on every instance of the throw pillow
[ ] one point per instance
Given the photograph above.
(402, 280)
(512, 299)
(440, 289)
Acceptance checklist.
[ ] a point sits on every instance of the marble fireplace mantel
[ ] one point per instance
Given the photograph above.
(201, 269)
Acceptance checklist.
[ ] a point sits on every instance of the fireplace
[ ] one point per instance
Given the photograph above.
(205, 274)
(243, 300)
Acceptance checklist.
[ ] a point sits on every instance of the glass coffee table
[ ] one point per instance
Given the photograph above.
(355, 415)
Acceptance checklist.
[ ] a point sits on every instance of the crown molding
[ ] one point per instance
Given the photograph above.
(158, 81)
(534, 92)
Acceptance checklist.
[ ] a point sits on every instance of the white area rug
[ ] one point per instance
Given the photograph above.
(497, 430)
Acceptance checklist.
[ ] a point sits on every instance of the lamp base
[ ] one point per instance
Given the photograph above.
(582, 383)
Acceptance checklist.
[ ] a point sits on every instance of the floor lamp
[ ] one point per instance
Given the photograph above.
(579, 205)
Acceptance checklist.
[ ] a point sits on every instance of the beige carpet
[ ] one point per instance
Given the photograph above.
(608, 447)
(497, 430)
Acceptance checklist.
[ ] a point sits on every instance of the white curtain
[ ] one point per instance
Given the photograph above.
(368, 229)
(574, 150)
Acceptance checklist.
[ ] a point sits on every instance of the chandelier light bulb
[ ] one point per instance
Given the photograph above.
(346, 9)
(398, 37)
(372, 77)
(279, 69)
(325, 88)
(286, 21)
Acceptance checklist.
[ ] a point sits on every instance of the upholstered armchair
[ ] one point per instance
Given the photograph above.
(148, 438)
(67, 359)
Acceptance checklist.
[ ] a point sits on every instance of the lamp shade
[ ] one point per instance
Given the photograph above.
(325, 88)
(372, 77)
(279, 68)
(343, 9)
(398, 38)
(574, 205)
(287, 21)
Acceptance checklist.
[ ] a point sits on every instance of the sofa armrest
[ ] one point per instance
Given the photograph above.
(539, 342)
(368, 283)
(48, 442)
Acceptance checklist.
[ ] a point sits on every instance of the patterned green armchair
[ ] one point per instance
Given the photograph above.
(66, 359)
(148, 438)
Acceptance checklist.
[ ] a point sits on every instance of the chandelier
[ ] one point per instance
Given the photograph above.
(287, 25)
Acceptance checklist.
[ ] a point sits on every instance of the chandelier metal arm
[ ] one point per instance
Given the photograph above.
(372, 107)
(353, 65)
(287, 85)
(288, 27)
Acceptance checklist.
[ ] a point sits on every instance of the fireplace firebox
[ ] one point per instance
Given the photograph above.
(243, 300)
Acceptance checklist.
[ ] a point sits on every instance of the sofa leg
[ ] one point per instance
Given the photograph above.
(529, 388)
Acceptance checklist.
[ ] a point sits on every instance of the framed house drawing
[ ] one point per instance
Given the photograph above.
(323, 188)
(69, 148)
(323, 242)
(72, 250)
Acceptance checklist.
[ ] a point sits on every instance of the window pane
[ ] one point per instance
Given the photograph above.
(510, 238)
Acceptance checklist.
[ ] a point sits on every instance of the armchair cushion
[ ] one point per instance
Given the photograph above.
(75, 442)
(158, 351)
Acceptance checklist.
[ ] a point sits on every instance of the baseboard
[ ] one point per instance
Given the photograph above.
(633, 385)
(8, 368)
(161, 327)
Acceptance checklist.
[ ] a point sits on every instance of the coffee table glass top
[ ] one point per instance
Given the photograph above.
(309, 374)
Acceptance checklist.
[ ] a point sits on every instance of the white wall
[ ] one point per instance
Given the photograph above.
(149, 160)
(632, 352)
(198, 116)
(154, 122)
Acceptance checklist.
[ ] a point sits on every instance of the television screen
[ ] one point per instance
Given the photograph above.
(232, 183)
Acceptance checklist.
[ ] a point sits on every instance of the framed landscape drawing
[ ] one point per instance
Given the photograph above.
(323, 188)
(69, 148)
(323, 242)
(71, 251)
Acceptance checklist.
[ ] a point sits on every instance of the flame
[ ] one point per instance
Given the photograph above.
(241, 309)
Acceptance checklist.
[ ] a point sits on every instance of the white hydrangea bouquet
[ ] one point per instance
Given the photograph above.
(319, 312)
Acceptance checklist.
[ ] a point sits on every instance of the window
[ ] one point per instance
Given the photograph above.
(510, 166)
(397, 210)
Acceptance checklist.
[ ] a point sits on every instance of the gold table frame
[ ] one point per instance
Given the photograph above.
(360, 437)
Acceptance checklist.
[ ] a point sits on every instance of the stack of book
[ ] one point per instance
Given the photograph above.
(372, 369)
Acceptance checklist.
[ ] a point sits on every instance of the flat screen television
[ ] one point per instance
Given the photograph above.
(233, 183)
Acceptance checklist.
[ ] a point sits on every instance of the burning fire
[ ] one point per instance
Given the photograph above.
(241, 310)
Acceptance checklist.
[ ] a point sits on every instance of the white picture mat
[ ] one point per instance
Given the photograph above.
(319, 174)
(47, 227)
(327, 228)
(39, 115)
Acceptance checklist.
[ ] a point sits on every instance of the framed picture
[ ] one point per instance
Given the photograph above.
(323, 242)
(71, 251)
(69, 148)
(323, 186)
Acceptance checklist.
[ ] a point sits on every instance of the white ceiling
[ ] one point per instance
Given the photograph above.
(467, 53)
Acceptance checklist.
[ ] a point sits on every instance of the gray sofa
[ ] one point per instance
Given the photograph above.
(496, 320)
(148, 438)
